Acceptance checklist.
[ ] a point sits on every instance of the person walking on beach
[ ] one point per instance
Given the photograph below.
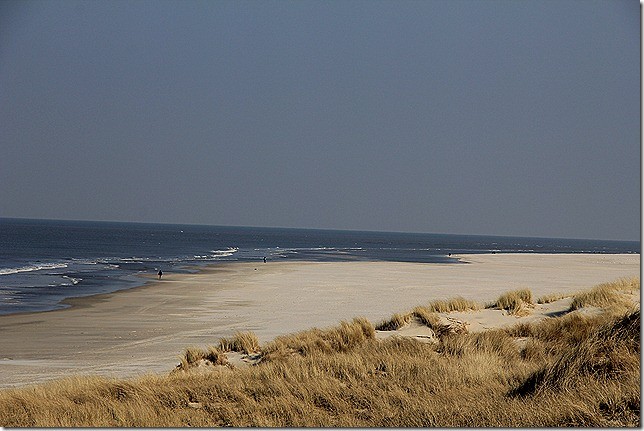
(264, 259)
(160, 274)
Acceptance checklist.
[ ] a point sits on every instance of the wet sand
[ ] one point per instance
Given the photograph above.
(146, 329)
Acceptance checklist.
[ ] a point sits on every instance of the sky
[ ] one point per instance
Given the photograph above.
(491, 117)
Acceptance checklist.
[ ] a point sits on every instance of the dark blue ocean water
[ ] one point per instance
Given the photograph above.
(43, 261)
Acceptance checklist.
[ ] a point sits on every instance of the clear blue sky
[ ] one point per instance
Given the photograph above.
(474, 117)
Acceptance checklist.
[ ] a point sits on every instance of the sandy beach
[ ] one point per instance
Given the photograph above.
(146, 329)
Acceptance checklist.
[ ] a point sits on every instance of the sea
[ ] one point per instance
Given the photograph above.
(44, 262)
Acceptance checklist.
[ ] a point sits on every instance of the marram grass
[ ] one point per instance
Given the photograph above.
(455, 304)
(244, 342)
(516, 302)
(426, 314)
(606, 295)
(552, 297)
(397, 321)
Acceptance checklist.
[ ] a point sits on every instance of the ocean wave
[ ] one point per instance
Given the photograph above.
(134, 259)
(10, 297)
(332, 248)
(216, 254)
(31, 268)
(224, 253)
(74, 280)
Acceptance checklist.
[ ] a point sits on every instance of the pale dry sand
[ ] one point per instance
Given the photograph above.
(146, 329)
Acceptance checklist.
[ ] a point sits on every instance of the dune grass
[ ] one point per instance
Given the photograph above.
(611, 350)
(194, 355)
(426, 314)
(516, 302)
(552, 297)
(315, 341)
(396, 321)
(427, 317)
(573, 370)
(606, 295)
(454, 304)
(244, 342)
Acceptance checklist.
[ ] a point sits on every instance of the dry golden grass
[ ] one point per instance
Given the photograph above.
(397, 321)
(573, 370)
(547, 299)
(626, 284)
(611, 350)
(433, 321)
(516, 302)
(194, 355)
(244, 342)
(455, 304)
(607, 295)
(427, 317)
(314, 341)
(426, 314)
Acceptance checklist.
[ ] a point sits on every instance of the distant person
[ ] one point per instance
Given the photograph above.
(160, 274)
(264, 259)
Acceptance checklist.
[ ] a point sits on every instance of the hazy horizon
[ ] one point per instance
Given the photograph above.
(488, 117)
(306, 228)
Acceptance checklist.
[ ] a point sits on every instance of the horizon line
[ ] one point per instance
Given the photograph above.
(313, 228)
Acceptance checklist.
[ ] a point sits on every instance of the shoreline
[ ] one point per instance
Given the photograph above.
(150, 278)
(146, 328)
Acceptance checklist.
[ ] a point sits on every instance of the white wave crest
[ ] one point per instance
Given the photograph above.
(74, 281)
(30, 268)
(224, 253)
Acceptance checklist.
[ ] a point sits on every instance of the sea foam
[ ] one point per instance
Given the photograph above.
(224, 253)
(30, 268)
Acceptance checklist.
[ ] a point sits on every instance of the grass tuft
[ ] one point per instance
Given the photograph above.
(341, 338)
(244, 342)
(552, 297)
(611, 351)
(455, 304)
(194, 355)
(606, 294)
(516, 302)
(429, 318)
(427, 314)
(397, 321)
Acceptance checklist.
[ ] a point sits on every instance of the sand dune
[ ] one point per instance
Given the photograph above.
(146, 329)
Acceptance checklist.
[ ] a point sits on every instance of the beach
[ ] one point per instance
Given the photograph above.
(146, 329)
